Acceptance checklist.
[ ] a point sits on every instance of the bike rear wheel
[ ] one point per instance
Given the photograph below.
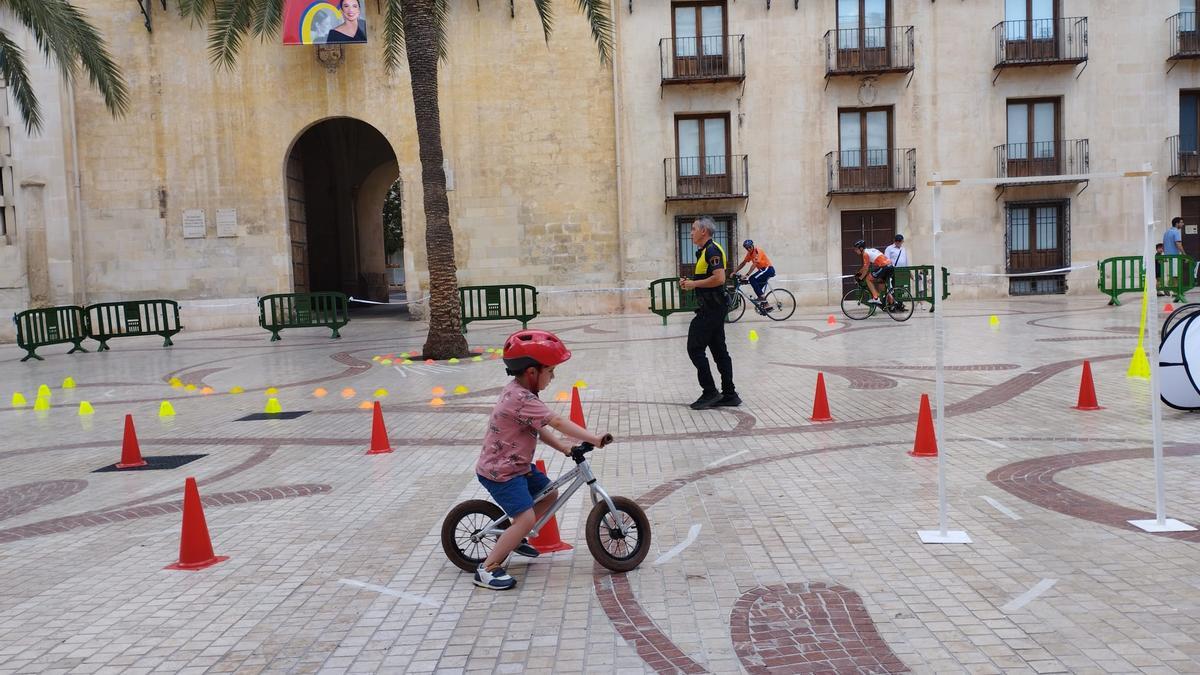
(618, 552)
(855, 304)
(902, 308)
(737, 307)
(781, 304)
(463, 521)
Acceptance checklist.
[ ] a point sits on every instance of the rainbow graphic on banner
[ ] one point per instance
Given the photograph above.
(306, 22)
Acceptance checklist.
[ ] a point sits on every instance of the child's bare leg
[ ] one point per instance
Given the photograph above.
(540, 508)
(521, 525)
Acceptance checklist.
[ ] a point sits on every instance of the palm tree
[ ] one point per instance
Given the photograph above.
(415, 28)
(63, 34)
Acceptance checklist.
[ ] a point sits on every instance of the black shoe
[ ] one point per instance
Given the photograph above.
(729, 400)
(706, 401)
(526, 549)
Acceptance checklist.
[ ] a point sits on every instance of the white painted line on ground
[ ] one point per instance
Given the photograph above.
(401, 371)
(1002, 508)
(109, 393)
(678, 548)
(420, 599)
(725, 459)
(994, 444)
(1029, 595)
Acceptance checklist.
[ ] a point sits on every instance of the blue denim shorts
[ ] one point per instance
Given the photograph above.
(516, 495)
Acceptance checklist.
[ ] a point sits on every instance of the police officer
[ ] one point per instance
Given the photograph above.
(708, 326)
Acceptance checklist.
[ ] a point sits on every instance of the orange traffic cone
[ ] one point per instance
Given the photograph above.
(547, 539)
(1169, 308)
(925, 444)
(1087, 390)
(379, 437)
(820, 402)
(131, 452)
(195, 548)
(576, 408)
(831, 321)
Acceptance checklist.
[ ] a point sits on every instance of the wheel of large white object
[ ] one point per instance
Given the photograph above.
(1179, 362)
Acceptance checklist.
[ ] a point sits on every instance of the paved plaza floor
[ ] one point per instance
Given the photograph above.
(779, 544)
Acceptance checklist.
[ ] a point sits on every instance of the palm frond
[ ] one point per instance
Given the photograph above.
(268, 17)
(441, 8)
(12, 69)
(230, 22)
(597, 13)
(46, 20)
(196, 10)
(393, 35)
(546, 14)
(101, 69)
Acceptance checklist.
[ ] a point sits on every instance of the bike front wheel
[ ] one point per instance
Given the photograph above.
(612, 549)
(856, 304)
(902, 308)
(737, 307)
(780, 305)
(463, 522)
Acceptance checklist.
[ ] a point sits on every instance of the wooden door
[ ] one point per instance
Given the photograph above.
(1033, 138)
(1190, 211)
(876, 227)
(863, 35)
(1036, 237)
(297, 222)
(702, 148)
(699, 30)
(1030, 30)
(864, 149)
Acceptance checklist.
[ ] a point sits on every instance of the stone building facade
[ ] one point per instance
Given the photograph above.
(801, 124)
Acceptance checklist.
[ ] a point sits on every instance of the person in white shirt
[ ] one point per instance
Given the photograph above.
(896, 252)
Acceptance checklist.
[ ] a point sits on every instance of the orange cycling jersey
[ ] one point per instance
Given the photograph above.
(756, 257)
(872, 256)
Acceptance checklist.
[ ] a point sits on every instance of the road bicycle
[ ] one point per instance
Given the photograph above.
(857, 304)
(779, 303)
(617, 530)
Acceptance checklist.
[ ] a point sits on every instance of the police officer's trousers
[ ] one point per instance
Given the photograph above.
(708, 332)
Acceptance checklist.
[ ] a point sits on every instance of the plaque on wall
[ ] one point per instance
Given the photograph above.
(1189, 229)
(226, 222)
(194, 225)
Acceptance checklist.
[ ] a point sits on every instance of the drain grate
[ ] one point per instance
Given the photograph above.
(155, 463)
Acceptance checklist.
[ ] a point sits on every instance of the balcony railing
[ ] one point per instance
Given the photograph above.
(713, 177)
(1041, 42)
(1047, 158)
(1185, 163)
(713, 58)
(854, 51)
(862, 171)
(1185, 40)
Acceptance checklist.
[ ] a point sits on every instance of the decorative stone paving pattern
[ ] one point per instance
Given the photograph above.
(20, 499)
(633, 624)
(808, 628)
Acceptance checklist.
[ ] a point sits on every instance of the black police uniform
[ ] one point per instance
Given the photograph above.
(708, 326)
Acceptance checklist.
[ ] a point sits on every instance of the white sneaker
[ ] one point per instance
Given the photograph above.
(496, 580)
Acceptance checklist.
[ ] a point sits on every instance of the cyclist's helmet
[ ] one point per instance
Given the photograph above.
(861, 243)
(748, 244)
(526, 348)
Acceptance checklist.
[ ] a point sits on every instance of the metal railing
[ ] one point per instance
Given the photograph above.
(1041, 41)
(1046, 158)
(852, 51)
(891, 170)
(712, 177)
(1184, 163)
(1185, 40)
(713, 57)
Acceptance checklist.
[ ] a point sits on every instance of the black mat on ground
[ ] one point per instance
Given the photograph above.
(155, 463)
(290, 415)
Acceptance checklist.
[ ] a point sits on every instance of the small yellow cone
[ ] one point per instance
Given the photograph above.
(271, 391)
(18, 400)
(68, 383)
(175, 382)
(460, 390)
(236, 390)
(376, 358)
(348, 393)
(41, 403)
(85, 408)
(562, 396)
(438, 391)
(273, 406)
(993, 320)
(453, 360)
(476, 358)
(385, 362)
(437, 402)
(381, 393)
(366, 405)
(207, 390)
(406, 362)
(753, 335)
(404, 355)
(581, 384)
(165, 409)
(43, 392)
(190, 387)
(1139, 365)
(320, 392)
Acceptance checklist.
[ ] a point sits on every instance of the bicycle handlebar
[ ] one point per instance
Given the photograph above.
(584, 448)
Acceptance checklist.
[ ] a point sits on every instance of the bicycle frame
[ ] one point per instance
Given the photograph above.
(578, 477)
(739, 285)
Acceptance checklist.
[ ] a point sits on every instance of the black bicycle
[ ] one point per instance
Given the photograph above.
(858, 304)
(778, 303)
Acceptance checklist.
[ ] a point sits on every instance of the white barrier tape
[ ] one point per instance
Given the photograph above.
(1061, 270)
(400, 302)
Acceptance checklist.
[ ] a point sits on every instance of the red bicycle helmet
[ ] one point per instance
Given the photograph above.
(526, 348)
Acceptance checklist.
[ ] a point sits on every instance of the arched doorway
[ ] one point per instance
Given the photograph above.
(339, 172)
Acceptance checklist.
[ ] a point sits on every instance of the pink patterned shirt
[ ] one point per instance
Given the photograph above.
(512, 434)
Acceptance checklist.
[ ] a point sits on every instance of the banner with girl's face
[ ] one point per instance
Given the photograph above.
(316, 22)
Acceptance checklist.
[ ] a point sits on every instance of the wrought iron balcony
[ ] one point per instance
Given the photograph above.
(853, 51)
(714, 58)
(866, 171)
(713, 177)
(1185, 160)
(1185, 40)
(1049, 159)
(1041, 42)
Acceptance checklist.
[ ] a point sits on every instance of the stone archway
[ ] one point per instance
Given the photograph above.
(338, 172)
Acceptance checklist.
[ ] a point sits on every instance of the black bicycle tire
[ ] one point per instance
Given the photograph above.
(904, 299)
(460, 558)
(778, 314)
(855, 295)
(739, 307)
(600, 553)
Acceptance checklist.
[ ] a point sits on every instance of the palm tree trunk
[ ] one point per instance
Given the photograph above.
(445, 338)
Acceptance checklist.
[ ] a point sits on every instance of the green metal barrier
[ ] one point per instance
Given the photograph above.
(108, 320)
(303, 310)
(51, 326)
(666, 298)
(516, 302)
(1126, 274)
(918, 279)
